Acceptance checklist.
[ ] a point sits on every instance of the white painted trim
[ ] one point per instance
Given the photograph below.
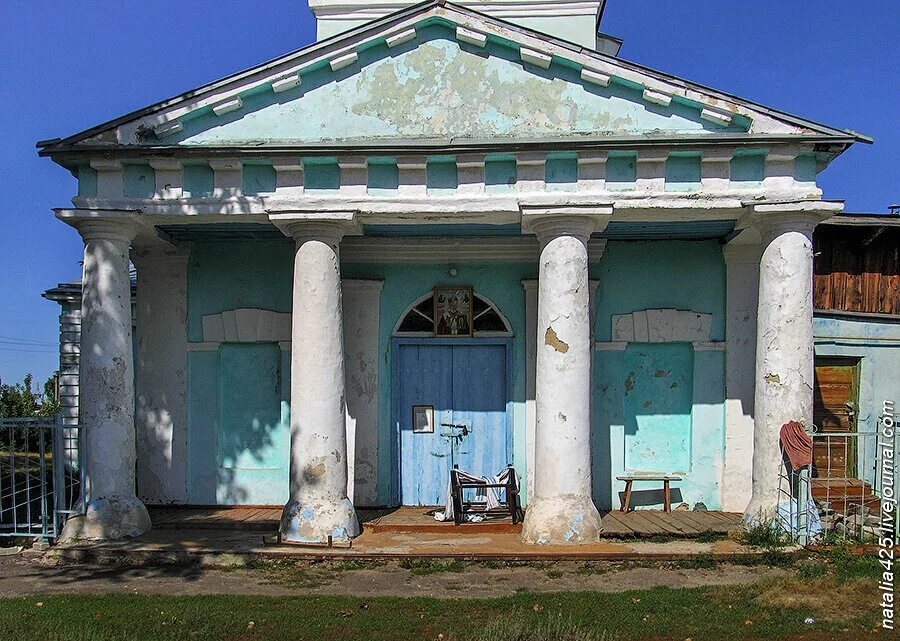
(657, 97)
(610, 346)
(595, 77)
(227, 177)
(530, 285)
(361, 312)
(361, 285)
(285, 82)
(168, 128)
(247, 325)
(651, 170)
(396, 329)
(343, 61)
(341, 10)
(718, 117)
(412, 202)
(227, 106)
(709, 346)
(471, 37)
(401, 38)
(536, 58)
(662, 326)
(502, 316)
(161, 364)
(110, 178)
(169, 178)
(742, 288)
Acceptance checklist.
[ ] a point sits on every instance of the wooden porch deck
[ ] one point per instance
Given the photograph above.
(411, 520)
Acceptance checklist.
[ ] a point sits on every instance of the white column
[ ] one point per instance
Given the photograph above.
(106, 374)
(562, 511)
(784, 339)
(531, 319)
(742, 291)
(318, 508)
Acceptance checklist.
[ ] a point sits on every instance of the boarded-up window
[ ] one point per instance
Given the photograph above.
(658, 405)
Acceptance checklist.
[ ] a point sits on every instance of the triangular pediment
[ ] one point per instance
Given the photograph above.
(439, 72)
(438, 87)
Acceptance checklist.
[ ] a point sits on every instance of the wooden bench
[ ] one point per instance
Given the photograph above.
(667, 492)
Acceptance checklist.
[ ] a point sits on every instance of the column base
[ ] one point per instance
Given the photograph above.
(761, 512)
(561, 520)
(316, 521)
(112, 517)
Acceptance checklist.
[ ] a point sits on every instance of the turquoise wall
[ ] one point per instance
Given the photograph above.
(658, 401)
(633, 276)
(225, 276)
(629, 433)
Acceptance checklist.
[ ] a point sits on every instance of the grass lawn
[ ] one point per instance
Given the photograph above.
(764, 612)
(835, 589)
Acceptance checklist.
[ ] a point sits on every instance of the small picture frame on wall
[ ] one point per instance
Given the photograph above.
(453, 311)
(423, 419)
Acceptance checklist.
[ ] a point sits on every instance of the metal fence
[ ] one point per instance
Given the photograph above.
(41, 479)
(839, 497)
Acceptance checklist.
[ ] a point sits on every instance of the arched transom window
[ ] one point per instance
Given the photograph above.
(418, 319)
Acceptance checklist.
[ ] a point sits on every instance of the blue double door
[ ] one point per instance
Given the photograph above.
(465, 387)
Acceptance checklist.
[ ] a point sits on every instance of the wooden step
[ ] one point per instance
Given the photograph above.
(843, 494)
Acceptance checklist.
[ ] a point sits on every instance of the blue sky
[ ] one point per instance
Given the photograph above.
(70, 66)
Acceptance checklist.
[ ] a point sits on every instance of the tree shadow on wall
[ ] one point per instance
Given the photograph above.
(241, 456)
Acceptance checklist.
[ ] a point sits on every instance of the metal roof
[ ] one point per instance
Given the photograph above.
(864, 220)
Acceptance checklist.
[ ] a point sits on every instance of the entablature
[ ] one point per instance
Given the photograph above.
(474, 184)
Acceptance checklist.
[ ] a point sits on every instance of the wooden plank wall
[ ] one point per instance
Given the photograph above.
(857, 269)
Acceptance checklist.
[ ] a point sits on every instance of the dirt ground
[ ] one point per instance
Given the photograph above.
(29, 573)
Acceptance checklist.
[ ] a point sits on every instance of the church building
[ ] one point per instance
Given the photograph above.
(443, 234)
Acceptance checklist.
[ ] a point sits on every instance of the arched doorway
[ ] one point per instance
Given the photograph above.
(451, 399)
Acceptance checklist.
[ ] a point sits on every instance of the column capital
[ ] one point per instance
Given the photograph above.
(95, 224)
(315, 225)
(549, 222)
(773, 219)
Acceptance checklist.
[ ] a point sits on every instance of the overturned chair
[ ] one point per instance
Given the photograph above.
(488, 492)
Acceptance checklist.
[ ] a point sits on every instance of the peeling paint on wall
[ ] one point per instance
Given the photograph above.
(677, 275)
(436, 88)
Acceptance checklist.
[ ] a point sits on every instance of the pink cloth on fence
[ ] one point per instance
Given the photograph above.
(797, 444)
